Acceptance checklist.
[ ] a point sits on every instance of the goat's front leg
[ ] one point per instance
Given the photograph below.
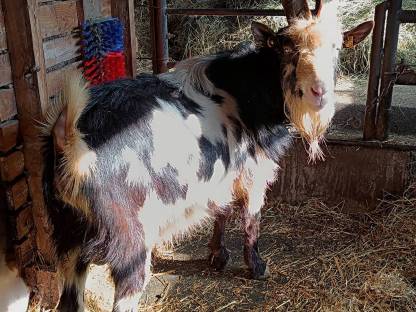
(219, 255)
(252, 257)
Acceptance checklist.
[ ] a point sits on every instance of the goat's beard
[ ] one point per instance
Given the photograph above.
(310, 124)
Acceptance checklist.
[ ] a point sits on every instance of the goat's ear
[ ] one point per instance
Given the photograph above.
(357, 34)
(264, 36)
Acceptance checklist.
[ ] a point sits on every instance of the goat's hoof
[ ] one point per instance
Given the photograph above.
(260, 271)
(219, 259)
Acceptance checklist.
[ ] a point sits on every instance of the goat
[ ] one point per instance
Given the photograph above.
(134, 162)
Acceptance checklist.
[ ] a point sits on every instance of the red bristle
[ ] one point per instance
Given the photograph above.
(114, 66)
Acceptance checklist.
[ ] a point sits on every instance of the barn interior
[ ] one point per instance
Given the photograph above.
(338, 234)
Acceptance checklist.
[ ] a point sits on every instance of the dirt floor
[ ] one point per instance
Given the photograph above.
(320, 259)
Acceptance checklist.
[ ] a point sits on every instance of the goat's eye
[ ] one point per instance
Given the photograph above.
(271, 43)
(287, 50)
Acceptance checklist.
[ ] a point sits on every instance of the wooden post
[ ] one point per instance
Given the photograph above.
(28, 72)
(124, 10)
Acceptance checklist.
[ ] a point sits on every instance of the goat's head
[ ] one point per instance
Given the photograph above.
(308, 49)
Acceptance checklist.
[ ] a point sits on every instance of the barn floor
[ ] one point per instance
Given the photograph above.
(320, 259)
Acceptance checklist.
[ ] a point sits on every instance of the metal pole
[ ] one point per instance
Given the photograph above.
(159, 28)
(225, 12)
(389, 67)
(375, 67)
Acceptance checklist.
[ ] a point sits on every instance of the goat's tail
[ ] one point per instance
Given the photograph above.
(71, 158)
(72, 101)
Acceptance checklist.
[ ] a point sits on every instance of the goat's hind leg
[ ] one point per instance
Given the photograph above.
(74, 272)
(130, 278)
(220, 255)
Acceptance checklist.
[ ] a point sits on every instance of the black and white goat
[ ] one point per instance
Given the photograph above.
(137, 161)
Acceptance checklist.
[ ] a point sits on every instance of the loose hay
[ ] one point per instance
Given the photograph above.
(321, 259)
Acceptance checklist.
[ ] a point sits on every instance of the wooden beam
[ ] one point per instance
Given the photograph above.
(28, 71)
(3, 43)
(124, 10)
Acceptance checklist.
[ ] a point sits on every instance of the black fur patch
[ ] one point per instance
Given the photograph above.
(69, 299)
(270, 140)
(253, 78)
(210, 153)
(217, 98)
(238, 128)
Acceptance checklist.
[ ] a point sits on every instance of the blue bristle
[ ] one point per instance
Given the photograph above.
(112, 35)
(90, 40)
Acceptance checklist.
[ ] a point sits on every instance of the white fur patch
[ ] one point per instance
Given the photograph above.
(137, 173)
(174, 142)
(14, 294)
(128, 304)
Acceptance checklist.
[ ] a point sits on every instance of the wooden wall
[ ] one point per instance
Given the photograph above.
(15, 202)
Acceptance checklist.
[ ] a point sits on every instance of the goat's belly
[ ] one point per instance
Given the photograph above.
(162, 222)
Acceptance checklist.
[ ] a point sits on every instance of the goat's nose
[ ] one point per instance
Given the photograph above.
(317, 90)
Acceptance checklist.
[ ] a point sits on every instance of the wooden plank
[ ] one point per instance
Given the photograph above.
(17, 194)
(26, 52)
(60, 50)
(3, 40)
(57, 18)
(124, 10)
(8, 135)
(7, 104)
(96, 8)
(5, 70)
(353, 176)
(55, 79)
(11, 166)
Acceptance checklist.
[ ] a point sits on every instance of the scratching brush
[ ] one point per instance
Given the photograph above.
(103, 50)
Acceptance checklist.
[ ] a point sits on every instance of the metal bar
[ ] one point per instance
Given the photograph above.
(228, 12)
(375, 67)
(407, 16)
(159, 28)
(225, 12)
(389, 67)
